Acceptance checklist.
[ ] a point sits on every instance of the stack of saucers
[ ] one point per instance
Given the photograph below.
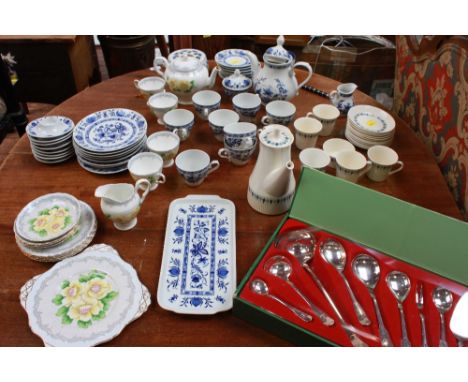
(368, 126)
(105, 141)
(54, 226)
(51, 139)
(231, 59)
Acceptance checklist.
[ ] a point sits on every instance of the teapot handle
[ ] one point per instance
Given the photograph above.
(160, 61)
(138, 187)
(309, 69)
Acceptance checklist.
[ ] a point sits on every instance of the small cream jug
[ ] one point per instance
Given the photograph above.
(272, 184)
(121, 202)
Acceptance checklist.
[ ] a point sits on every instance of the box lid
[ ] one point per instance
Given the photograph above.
(402, 230)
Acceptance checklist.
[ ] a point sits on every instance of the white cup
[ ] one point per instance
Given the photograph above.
(218, 119)
(279, 113)
(247, 105)
(307, 132)
(206, 101)
(166, 144)
(180, 121)
(194, 165)
(161, 103)
(150, 85)
(333, 146)
(327, 114)
(351, 165)
(383, 160)
(314, 158)
(147, 166)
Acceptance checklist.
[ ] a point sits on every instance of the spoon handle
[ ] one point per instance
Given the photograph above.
(385, 339)
(360, 313)
(423, 329)
(460, 344)
(299, 313)
(355, 340)
(326, 320)
(443, 340)
(404, 334)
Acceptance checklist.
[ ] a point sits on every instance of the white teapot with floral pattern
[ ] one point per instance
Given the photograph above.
(277, 80)
(186, 73)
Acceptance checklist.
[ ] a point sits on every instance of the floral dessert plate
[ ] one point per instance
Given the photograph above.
(110, 130)
(198, 271)
(48, 217)
(83, 235)
(84, 300)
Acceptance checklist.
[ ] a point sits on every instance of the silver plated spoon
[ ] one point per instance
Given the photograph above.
(367, 270)
(279, 266)
(400, 285)
(443, 300)
(334, 253)
(260, 287)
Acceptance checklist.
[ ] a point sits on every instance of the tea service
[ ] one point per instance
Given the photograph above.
(161, 103)
(194, 166)
(179, 121)
(165, 144)
(147, 166)
(206, 101)
(307, 131)
(150, 85)
(279, 112)
(219, 119)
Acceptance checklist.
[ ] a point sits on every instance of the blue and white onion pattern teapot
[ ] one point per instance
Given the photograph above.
(276, 80)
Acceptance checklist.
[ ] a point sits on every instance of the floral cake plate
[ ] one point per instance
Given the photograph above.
(84, 300)
(198, 271)
(48, 217)
(80, 239)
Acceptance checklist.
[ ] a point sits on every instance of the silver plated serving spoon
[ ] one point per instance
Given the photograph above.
(400, 285)
(443, 300)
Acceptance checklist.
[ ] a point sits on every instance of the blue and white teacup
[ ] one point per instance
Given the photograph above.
(194, 165)
(279, 113)
(240, 140)
(206, 101)
(247, 105)
(220, 118)
(179, 121)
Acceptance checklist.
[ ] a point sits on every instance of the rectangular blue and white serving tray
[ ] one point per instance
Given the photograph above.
(198, 270)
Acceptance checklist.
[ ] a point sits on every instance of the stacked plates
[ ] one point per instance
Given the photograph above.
(104, 141)
(51, 139)
(231, 59)
(54, 226)
(368, 126)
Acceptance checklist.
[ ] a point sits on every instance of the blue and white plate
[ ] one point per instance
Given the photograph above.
(110, 130)
(233, 58)
(100, 170)
(198, 271)
(49, 127)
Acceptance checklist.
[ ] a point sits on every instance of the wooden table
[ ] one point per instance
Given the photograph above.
(23, 179)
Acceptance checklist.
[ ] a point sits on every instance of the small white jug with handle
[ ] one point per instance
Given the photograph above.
(121, 202)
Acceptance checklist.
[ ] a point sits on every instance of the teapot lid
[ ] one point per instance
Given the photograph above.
(276, 136)
(277, 54)
(185, 63)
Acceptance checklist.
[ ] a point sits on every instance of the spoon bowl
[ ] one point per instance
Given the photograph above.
(260, 287)
(367, 270)
(399, 284)
(299, 243)
(443, 299)
(334, 253)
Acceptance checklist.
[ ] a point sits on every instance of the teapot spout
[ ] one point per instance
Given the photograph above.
(213, 74)
(277, 183)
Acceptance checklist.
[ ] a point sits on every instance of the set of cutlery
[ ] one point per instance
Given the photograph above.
(302, 245)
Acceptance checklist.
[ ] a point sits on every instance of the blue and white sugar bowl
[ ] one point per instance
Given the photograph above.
(236, 83)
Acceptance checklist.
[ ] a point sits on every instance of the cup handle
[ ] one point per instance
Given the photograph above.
(138, 187)
(332, 95)
(399, 168)
(161, 179)
(310, 115)
(259, 130)
(136, 82)
(214, 165)
(265, 120)
(223, 153)
(182, 133)
(366, 169)
(309, 69)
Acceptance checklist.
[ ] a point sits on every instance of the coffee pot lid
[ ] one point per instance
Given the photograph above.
(277, 54)
(276, 136)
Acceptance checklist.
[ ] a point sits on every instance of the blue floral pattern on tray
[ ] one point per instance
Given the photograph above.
(198, 276)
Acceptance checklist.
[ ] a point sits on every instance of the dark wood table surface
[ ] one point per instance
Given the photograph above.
(23, 179)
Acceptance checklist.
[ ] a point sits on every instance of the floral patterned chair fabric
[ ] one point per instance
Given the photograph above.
(431, 94)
